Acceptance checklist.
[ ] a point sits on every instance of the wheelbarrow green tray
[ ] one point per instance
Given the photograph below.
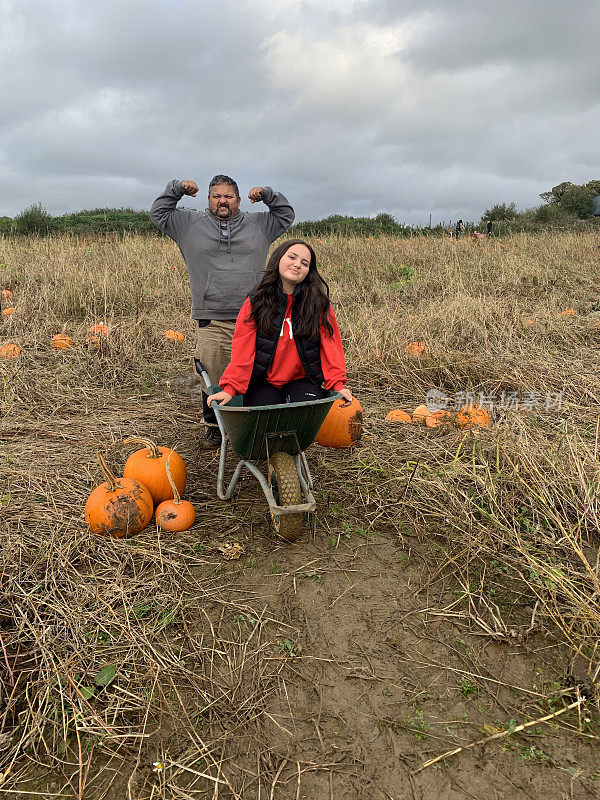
(284, 427)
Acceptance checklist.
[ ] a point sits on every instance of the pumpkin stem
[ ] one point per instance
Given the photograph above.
(148, 443)
(176, 495)
(110, 478)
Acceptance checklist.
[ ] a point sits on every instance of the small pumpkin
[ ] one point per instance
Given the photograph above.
(174, 336)
(528, 322)
(99, 329)
(10, 350)
(342, 427)
(472, 416)
(148, 467)
(6, 294)
(60, 341)
(420, 414)
(397, 415)
(438, 418)
(417, 349)
(568, 312)
(6, 312)
(119, 507)
(175, 515)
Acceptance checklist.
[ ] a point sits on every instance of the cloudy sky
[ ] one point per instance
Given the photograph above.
(347, 106)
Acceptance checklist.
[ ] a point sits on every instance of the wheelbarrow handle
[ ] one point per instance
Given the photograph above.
(215, 406)
(202, 372)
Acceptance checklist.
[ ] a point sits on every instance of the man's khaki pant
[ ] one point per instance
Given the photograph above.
(213, 349)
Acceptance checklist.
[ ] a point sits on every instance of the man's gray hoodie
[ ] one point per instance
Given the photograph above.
(223, 269)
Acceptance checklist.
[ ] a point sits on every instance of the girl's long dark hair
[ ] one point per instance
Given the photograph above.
(313, 303)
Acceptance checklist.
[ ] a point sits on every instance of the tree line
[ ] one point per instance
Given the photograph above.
(567, 205)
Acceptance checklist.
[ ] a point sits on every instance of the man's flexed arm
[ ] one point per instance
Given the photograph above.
(280, 215)
(172, 220)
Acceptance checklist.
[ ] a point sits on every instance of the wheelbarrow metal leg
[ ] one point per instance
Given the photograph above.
(310, 505)
(233, 482)
(222, 494)
(306, 480)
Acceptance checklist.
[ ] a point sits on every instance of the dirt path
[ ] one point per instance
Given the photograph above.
(376, 682)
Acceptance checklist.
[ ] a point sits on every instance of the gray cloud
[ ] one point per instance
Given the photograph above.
(356, 107)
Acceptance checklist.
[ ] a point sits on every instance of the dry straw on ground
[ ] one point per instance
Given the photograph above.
(111, 650)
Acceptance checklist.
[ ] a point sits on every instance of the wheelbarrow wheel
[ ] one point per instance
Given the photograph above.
(285, 485)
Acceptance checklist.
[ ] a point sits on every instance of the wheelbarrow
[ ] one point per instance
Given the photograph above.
(278, 434)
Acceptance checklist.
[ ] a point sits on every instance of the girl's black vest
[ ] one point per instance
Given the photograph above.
(266, 344)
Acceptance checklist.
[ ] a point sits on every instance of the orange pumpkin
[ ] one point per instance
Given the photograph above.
(568, 312)
(175, 515)
(100, 328)
(397, 415)
(118, 508)
(6, 312)
(342, 427)
(60, 341)
(174, 336)
(438, 418)
(148, 467)
(471, 416)
(10, 350)
(417, 349)
(6, 294)
(528, 322)
(420, 414)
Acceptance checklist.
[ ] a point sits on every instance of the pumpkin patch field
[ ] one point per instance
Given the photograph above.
(432, 633)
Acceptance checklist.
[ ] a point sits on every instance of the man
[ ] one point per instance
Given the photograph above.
(488, 227)
(225, 251)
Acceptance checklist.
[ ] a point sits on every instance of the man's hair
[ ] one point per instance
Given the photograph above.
(224, 179)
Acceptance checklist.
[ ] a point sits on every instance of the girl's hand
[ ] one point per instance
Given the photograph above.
(347, 395)
(222, 398)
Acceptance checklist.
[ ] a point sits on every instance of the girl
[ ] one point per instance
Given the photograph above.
(286, 342)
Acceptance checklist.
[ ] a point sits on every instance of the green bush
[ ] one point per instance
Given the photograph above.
(35, 219)
(355, 226)
(573, 198)
(501, 212)
(550, 214)
(106, 220)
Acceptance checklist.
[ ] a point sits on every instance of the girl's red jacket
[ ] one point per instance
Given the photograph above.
(286, 364)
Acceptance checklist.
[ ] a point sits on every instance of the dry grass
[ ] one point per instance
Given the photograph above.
(521, 496)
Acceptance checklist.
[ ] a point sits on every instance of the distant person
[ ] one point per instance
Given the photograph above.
(488, 227)
(286, 346)
(458, 228)
(225, 250)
